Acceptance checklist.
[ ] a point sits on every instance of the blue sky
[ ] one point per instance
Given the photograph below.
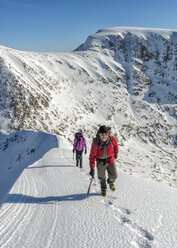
(62, 25)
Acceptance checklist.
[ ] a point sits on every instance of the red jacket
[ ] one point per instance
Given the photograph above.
(96, 154)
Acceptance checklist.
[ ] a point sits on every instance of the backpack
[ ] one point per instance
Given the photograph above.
(76, 135)
(78, 138)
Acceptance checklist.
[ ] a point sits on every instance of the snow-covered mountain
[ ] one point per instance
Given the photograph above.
(122, 77)
(125, 78)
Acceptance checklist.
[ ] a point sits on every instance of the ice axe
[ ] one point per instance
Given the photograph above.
(90, 185)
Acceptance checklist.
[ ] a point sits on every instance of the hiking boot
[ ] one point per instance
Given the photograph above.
(112, 187)
(103, 185)
(103, 192)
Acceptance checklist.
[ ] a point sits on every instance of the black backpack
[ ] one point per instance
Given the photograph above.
(78, 137)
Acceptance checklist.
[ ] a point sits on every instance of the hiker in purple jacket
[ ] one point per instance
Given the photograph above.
(79, 145)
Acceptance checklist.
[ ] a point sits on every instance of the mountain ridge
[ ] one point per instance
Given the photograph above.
(105, 33)
(125, 81)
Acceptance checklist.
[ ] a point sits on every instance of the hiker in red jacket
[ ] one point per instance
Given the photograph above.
(104, 150)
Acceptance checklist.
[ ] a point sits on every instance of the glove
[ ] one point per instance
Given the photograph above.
(73, 150)
(92, 173)
(115, 156)
(86, 151)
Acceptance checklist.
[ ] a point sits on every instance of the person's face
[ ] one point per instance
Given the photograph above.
(103, 136)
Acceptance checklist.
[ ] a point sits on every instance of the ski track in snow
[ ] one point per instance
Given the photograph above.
(48, 207)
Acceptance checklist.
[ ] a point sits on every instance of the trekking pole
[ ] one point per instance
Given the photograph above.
(90, 185)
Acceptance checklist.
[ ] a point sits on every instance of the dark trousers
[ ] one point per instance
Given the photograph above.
(112, 173)
(79, 158)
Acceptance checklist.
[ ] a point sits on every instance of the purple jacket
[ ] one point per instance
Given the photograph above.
(80, 142)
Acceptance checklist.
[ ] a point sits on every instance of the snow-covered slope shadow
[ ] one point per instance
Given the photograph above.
(26, 199)
(19, 150)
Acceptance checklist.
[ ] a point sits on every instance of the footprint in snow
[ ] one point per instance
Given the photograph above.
(140, 231)
(143, 237)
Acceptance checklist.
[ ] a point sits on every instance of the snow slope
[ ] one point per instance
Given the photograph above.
(17, 151)
(48, 207)
(121, 77)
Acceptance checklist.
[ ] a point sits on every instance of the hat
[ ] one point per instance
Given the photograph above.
(103, 129)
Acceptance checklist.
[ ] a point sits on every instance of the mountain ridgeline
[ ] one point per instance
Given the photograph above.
(122, 77)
